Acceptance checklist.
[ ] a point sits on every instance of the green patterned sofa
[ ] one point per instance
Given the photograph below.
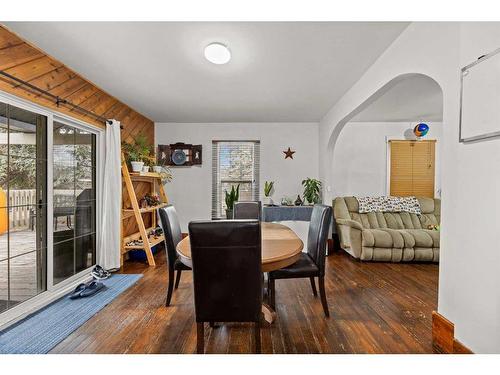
(388, 236)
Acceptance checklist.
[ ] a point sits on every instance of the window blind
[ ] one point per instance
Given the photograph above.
(234, 163)
(412, 168)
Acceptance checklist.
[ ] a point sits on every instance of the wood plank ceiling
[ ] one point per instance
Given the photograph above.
(24, 61)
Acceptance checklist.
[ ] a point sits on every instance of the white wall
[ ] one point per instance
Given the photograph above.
(191, 188)
(360, 156)
(469, 282)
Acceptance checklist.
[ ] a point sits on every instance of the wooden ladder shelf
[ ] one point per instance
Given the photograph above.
(133, 216)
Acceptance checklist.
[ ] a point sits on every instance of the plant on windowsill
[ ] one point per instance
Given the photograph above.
(268, 191)
(231, 197)
(312, 189)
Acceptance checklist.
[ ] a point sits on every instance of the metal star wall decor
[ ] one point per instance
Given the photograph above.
(289, 153)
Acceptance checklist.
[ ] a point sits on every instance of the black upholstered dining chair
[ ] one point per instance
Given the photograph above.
(172, 231)
(247, 210)
(227, 274)
(311, 264)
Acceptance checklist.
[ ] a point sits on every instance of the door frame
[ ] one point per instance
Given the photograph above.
(437, 164)
(67, 120)
(52, 292)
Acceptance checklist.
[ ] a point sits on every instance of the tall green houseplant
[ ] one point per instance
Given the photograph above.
(231, 197)
(312, 188)
(268, 190)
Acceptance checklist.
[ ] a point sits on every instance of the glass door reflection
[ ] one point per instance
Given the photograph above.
(74, 200)
(23, 203)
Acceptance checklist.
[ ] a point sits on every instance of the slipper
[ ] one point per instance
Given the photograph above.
(100, 273)
(91, 288)
(76, 293)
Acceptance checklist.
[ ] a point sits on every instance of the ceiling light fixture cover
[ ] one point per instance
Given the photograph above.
(217, 53)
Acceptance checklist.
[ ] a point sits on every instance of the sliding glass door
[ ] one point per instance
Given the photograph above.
(23, 205)
(44, 159)
(74, 197)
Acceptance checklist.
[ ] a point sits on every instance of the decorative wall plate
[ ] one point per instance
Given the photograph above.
(179, 154)
(179, 157)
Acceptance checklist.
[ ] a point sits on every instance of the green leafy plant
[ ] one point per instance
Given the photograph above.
(165, 174)
(312, 189)
(268, 187)
(139, 150)
(232, 196)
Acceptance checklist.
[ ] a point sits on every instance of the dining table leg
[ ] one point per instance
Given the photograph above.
(269, 313)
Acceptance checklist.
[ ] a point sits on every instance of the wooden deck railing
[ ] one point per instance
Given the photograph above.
(21, 208)
(22, 205)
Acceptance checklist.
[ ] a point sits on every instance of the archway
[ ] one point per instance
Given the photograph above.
(369, 101)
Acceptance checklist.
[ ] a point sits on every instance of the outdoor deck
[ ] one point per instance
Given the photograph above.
(23, 270)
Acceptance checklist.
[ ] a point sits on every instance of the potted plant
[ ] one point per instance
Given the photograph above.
(231, 197)
(312, 188)
(134, 159)
(137, 152)
(149, 162)
(268, 190)
(164, 171)
(165, 174)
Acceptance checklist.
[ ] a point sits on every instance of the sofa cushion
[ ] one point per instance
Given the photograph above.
(424, 237)
(386, 238)
(408, 239)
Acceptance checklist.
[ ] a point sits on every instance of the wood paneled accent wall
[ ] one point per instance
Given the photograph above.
(27, 62)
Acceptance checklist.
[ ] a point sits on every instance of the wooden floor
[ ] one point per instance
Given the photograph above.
(374, 307)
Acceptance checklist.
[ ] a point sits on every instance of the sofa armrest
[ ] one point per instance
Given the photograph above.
(350, 235)
(349, 223)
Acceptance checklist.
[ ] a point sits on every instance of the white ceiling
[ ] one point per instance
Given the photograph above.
(417, 98)
(288, 72)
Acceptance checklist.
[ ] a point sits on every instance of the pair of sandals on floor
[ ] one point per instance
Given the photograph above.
(92, 287)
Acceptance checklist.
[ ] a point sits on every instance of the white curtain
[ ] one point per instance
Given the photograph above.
(109, 240)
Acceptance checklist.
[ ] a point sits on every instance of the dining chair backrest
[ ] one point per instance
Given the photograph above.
(227, 270)
(317, 237)
(247, 210)
(169, 222)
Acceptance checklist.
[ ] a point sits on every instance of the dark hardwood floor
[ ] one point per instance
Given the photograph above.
(374, 308)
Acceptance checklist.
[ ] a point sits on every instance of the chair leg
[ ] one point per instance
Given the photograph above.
(200, 338)
(313, 286)
(324, 302)
(178, 278)
(257, 338)
(272, 293)
(170, 286)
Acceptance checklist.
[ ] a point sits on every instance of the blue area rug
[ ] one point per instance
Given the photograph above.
(40, 332)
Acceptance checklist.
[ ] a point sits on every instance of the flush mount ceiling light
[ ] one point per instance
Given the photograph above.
(217, 53)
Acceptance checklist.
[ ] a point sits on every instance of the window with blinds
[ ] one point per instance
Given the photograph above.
(234, 163)
(412, 168)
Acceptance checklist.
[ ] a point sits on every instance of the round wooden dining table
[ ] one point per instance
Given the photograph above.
(281, 247)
